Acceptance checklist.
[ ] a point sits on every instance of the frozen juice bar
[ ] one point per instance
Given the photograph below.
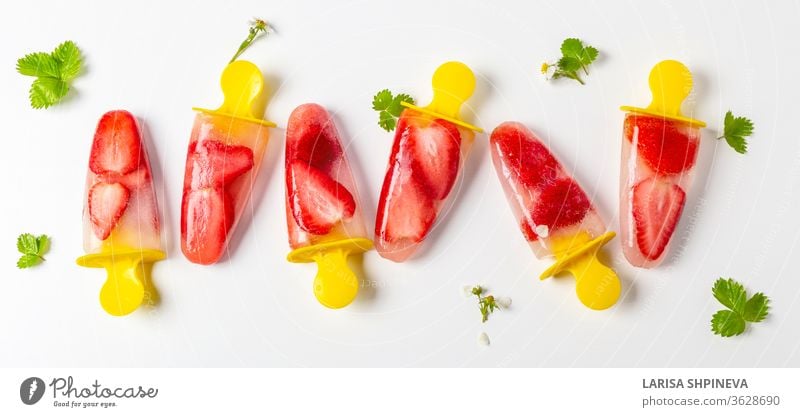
(323, 215)
(554, 214)
(225, 152)
(430, 146)
(659, 151)
(121, 231)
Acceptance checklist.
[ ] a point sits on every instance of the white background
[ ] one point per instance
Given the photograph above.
(158, 59)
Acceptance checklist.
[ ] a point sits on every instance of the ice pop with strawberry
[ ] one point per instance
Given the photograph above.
(659, 152)
(553, 212)
(121, 231)
(225, 151)
(323, 215)
(430, 146)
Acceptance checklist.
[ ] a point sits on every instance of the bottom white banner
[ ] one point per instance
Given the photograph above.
(399, 392)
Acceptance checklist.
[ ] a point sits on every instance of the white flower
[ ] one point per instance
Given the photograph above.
(503, 302)
(483, 339)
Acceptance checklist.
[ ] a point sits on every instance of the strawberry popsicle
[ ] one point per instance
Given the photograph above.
(555, 215)
(323, 217)
(430, 146)
(121, 231)
(659, 151)
(224, 155)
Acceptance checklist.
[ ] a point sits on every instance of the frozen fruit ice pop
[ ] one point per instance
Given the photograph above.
(659, 151)
(554, 214)
(121, 229)
(430, 146)
(323, 216)
(224, 154)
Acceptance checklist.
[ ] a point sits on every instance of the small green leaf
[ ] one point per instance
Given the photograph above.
(32, 249)
(727, 323)
(571, 47)
(737, 129)
(69, 58)
(46, 91)
(27, 243)
(575, 57)
(389, 108)
(756, 308)
(730, 293)
(28, 260)
(38, 64)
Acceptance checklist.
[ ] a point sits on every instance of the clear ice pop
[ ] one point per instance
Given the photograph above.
(323, 215)
(225, 152)
(659, 151)
(554, 214)
(430, 146)
(121, 231)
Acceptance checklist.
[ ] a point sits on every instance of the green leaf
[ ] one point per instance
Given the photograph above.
(27, 261)
(736, 130)
(382, 100)
(27, 243)
(757, 308)
(69, 58)
(32, 248)
(569, 64)
(575, 57)
(38, 64)
(46, 91)
(389, 108)
(571, 47)
(727, 323)
(53, 73)
(730, 293)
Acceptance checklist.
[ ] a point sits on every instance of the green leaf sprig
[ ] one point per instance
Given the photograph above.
(257, 27)
(389, 108)
(736, 130)
(488, 303)
(53, 71)
(732, 321)
(32, 249)
(575, 57)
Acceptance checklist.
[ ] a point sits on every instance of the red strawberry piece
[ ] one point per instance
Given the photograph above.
(117, 146)
(406, 210)
(212, 164)
(107, 202)
(528, 159)
(436, 155)
(657, 207)
(662, 143)
(561, 203)
(311, 136)
(132, 180)
(317, 201)
(527, 231)
(207, 217)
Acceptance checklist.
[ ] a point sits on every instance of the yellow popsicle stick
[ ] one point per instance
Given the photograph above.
(670, 84)
(128, 282)
(335, 285)
(453, 83)
(243, 88)
(596, 285)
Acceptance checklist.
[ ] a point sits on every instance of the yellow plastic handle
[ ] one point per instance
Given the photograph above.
(597, 286)
(243, 90)
(670, 83)
(128, 284)
(335, 285)
(453, 84)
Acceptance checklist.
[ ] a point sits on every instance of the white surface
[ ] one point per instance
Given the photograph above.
(158, 59)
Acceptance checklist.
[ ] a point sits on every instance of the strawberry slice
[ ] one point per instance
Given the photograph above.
(213, 164)
(117, 146)
(436, 154)
(312, 137)
(406, 210)
(207, 218)
(132, 180)
(657, 207)
(561, 203)
(528, 159)
(107, 202)
(317, 201)
(662, 143)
